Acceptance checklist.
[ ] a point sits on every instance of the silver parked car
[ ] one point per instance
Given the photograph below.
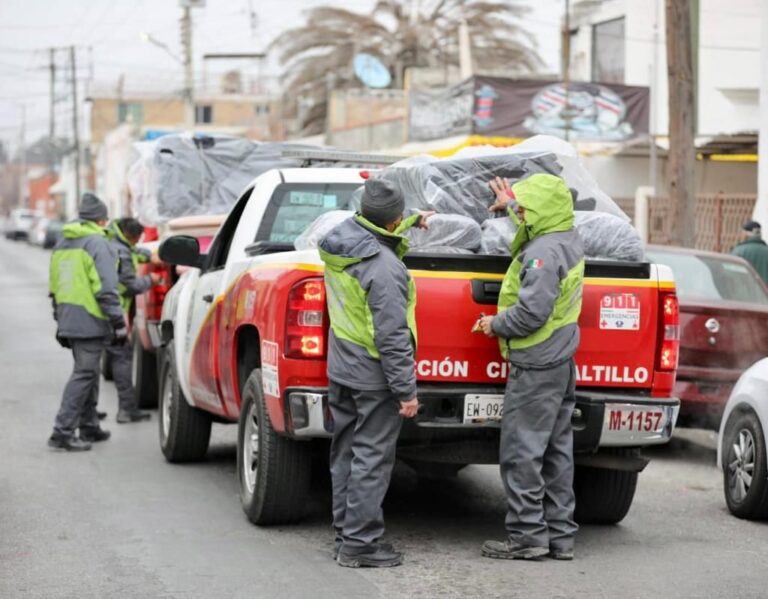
(741, 450)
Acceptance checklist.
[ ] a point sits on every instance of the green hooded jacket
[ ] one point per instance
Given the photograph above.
(372, 307)
(129, 258)
(83, 283)
(540, 299)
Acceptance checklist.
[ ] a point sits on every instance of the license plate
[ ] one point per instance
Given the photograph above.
(634, 419)
(483, 408)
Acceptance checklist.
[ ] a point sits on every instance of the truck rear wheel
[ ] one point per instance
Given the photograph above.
(184, 430)
(144, 374)
(603, 496)
(274, 472)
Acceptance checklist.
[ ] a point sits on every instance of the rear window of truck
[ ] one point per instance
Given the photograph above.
(708, 278)
(294, 206)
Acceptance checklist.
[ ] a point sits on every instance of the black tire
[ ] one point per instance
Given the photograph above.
(144, 374)
(106, 366)
(745, 498)
(275, 475)
(603, 496)
(184, 431)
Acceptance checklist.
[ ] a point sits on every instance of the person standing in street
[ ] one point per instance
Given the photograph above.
(538, 310)
(123, 235)
(83, 289)
(752, 248)
(371, 368)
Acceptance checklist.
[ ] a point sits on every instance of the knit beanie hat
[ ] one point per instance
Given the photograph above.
(92, 208)
(382, 202)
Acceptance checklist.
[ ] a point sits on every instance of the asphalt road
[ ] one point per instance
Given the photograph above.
(120, 522)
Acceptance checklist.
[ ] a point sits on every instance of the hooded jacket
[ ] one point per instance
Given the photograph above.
(83, 283)
(540, 298)
(754, 251)
(128, 260)
(371, 303)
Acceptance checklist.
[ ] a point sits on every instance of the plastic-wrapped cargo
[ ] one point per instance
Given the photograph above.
(459, 185)
(446, 231)
(310, 238)
(184, 175)
(607, 236)
(497, 236)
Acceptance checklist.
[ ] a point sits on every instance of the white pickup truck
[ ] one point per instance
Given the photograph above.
(245, 332)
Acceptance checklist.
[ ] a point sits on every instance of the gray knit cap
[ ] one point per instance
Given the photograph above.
(92, 208)
(382, 202)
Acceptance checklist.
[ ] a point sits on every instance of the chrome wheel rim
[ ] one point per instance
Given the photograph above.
(167, 397)
(741, 467)
(251, 449)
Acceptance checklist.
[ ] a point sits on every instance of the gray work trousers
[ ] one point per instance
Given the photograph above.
(366, 425)
(536, 456)
(81, 393)
(122, 374)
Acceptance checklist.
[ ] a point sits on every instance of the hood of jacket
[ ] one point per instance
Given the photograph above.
(81, 228)
(114, 232)
(356, 239)
(548, 205)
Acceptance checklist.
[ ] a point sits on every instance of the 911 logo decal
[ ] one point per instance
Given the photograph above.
(269, 379)
(620, 312)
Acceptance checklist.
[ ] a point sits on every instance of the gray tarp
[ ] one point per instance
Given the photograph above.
(181, 175)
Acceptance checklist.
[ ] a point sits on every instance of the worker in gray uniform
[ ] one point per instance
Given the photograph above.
(83, 289)
(123, 235)
(371, 368)
(537, 326)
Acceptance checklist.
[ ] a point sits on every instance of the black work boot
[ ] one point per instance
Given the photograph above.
(124, 417)
(67, 443)
(511, 550)
(376, 556)
(337, 547)
(101, 415)
(94, 435)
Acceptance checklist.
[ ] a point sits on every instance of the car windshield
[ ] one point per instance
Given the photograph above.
(294, 206)
(710, 278)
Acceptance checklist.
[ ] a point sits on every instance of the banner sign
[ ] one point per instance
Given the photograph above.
(523, 108)
(589, 111)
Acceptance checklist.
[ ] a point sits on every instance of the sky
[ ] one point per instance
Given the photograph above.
(107, 38)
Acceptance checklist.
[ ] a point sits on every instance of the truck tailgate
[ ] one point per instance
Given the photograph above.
(619, 322)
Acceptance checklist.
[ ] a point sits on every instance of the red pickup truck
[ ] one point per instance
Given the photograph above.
(245, 338)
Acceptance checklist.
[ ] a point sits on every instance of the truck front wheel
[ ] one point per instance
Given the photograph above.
(184, 430)
(274, 472)
(603, 496)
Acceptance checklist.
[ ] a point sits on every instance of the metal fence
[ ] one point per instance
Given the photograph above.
(719, 218)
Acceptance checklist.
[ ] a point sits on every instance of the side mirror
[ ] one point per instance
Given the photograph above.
(181, 250)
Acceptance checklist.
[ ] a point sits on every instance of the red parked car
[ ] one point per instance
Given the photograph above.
(723, 328)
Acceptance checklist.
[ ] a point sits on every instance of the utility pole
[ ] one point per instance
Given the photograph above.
(75, 128)
(52, 114)
(682, 157)
(566, 65)
(23, 158)
(186, 44)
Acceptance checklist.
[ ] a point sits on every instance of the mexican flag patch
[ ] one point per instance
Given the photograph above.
(535, 263)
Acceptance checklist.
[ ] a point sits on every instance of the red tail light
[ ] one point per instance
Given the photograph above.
(156, 293)
(306, 320)
(669, 342)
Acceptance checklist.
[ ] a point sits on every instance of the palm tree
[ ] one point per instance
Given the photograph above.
(318, 56)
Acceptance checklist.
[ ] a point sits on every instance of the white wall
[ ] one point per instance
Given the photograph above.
(729, 59)
(761, 209)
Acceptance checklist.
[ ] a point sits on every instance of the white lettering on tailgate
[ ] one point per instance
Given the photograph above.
(445, 368)
(611, 374)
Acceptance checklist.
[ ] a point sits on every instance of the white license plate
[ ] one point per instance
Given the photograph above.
(483, 408)
(634, 419)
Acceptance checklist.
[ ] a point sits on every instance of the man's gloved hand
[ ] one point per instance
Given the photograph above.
(63, 341)
(119, 336)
